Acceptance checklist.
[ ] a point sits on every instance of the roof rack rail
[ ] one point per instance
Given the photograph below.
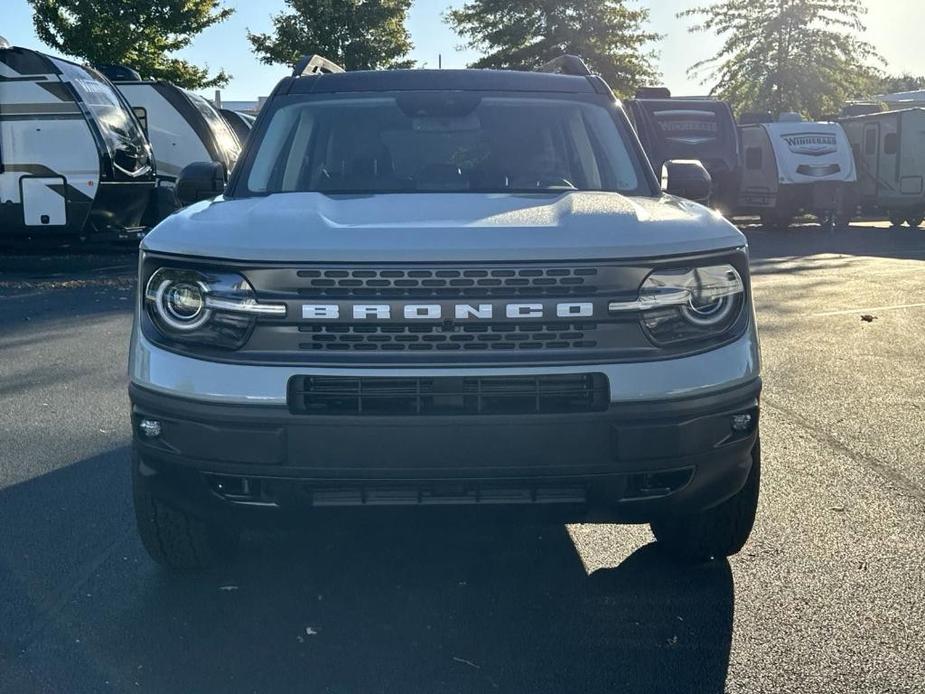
(315, 65)
(566, 65)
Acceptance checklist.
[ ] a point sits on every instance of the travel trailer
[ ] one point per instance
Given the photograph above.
(697, 128)
(889, 149)
(860, 108)
(903, 100)
(183, 128)
(74, 159)
(240, 123)
(793, 167)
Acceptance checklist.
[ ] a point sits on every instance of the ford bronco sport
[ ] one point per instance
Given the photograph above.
(444, 288)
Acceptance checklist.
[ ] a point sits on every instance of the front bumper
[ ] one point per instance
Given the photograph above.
(156, 369)
(634, 461)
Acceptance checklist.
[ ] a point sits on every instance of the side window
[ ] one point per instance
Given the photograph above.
(870, 143)
(141, 113)
(891, 143)
(754, 158)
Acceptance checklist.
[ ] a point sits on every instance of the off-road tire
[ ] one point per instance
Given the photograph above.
(915, 221)
(719, 532)
(897, 219)
(176, 539)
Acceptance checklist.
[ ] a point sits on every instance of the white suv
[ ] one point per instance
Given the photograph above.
(444, 288)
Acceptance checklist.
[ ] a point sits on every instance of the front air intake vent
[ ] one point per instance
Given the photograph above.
(448, 282)
(486, 395)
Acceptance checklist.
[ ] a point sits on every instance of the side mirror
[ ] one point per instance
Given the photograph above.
(141, 113)
(201, 180)
(688, 179)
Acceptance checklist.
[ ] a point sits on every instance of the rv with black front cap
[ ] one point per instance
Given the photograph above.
(698, 129)
(183, 128)
(74, 160)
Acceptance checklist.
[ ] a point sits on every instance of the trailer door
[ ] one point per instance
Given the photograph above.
(44, 201)
(887, 136)
(867, 157)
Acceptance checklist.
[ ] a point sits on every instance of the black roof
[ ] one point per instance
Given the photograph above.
(681, 102)
(439, 80)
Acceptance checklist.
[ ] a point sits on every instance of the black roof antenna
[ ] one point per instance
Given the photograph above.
(566, 65)
(315, 65)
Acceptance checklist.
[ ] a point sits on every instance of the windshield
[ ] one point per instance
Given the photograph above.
(227, 141)
(443, 142)
(120, 130)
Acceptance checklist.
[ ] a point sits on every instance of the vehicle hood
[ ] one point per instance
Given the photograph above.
(314, 227)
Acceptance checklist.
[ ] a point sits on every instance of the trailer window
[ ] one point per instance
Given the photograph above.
(891, 143)
(870, 144)
(443, 142)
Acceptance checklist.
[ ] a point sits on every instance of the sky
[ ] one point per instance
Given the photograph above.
(893, 26)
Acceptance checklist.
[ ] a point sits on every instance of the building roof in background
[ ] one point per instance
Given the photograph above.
(909, 98)
(245, 106)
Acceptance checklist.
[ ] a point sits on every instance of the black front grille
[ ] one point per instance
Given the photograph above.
(486, 395)
(483, 337)
(448, 282)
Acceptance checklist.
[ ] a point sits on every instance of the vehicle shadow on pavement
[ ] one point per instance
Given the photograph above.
(412, 607)
(407, 604)
(856, 240)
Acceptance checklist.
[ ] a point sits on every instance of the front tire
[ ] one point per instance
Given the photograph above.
(175, 538)
(718, 532)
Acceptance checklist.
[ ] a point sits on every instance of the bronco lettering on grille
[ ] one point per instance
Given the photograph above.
(436, 312)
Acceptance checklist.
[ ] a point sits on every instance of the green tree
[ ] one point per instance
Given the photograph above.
(786, 55)
(138, 33)
(356, 34)
(610, 36)
(891, 84)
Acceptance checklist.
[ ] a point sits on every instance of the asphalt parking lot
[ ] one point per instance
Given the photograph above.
(829, 595)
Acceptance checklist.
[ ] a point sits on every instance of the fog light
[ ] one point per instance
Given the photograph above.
(742, 422)
(151, 428)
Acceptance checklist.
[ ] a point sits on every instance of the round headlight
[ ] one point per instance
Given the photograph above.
(184, 302)
(179, 301)
(688, 304)
(713, 295)
(708, 314)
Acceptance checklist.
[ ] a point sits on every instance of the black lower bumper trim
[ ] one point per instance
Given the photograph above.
(644, 458)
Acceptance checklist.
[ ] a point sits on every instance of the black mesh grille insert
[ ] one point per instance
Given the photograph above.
(486, 395)
(403, 337)
(449, 282)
